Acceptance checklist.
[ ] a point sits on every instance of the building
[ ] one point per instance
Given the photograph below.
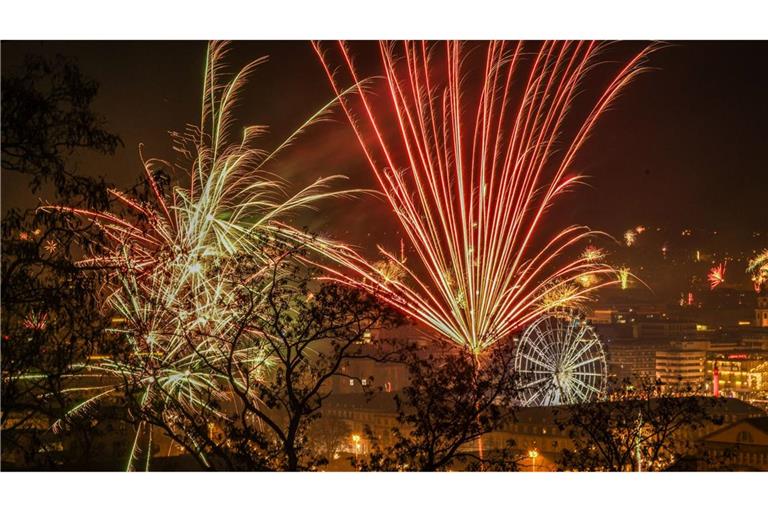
(633, 360)
(761, 311)
(662, 329)
(741, 374)
(740, 446)
(681, 367)
(360, 373)
(538, 439)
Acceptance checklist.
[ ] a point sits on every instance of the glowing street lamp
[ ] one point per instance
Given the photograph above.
(533, 453)
(356, 441)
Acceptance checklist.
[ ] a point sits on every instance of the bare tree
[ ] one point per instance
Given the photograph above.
(303, 331)
(47, 117)
(50, 312)
(640, 429)
(453, 399)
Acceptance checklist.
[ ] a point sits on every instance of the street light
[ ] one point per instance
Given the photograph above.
(356, 441)
(533, 453)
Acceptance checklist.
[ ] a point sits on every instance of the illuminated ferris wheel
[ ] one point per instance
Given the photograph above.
(560, 360)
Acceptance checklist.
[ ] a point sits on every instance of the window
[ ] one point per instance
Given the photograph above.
(351, 382)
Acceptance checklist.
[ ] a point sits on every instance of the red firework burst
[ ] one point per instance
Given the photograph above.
(467, 149)
(716, 276)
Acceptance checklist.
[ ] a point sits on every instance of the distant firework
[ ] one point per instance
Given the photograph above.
(624, 277)
(757, 267)
(563, 296)
(35, 321)
(477, 160)
(592, 253)
(716, 276)
(630, 237)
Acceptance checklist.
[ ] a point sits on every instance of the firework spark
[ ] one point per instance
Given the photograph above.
(624, 274)
(592, 253)
(470, 174)
(180, 264)
(757, 267)
(35, 321)
(564, 295)
(630, 237)
(587, 280)
(716, 276)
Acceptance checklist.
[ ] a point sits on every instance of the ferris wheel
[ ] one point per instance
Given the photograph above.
(560, 360)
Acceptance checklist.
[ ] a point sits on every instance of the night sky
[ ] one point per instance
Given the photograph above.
(684, 146)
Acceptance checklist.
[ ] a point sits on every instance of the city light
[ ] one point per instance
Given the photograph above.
(533, 454)
(228, 305)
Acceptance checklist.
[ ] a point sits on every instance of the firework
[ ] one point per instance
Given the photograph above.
(587, 280)
(35, 321)
(624, 274)
(716, 276)
(564, 295)
(630, 237)
(51, 246)
(470, 173)
(592, 253)
(757, 267)
(181, 264)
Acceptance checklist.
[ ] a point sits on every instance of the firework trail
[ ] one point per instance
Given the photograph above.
(470, 175)
(716, 276)
(757, 267)
(181, 264)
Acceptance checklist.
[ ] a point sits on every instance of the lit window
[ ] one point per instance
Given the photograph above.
(351, 382)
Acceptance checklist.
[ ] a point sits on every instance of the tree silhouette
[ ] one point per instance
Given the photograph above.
(641, 429)
(47, 117)
(452, 399)
(304, 331)
(51, 321)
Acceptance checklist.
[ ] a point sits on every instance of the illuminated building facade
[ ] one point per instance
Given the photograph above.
(761, 311)
(680, 368)
(741, 374)
(667, 330)
(633, 359)
(533, 430)
(741, 446)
